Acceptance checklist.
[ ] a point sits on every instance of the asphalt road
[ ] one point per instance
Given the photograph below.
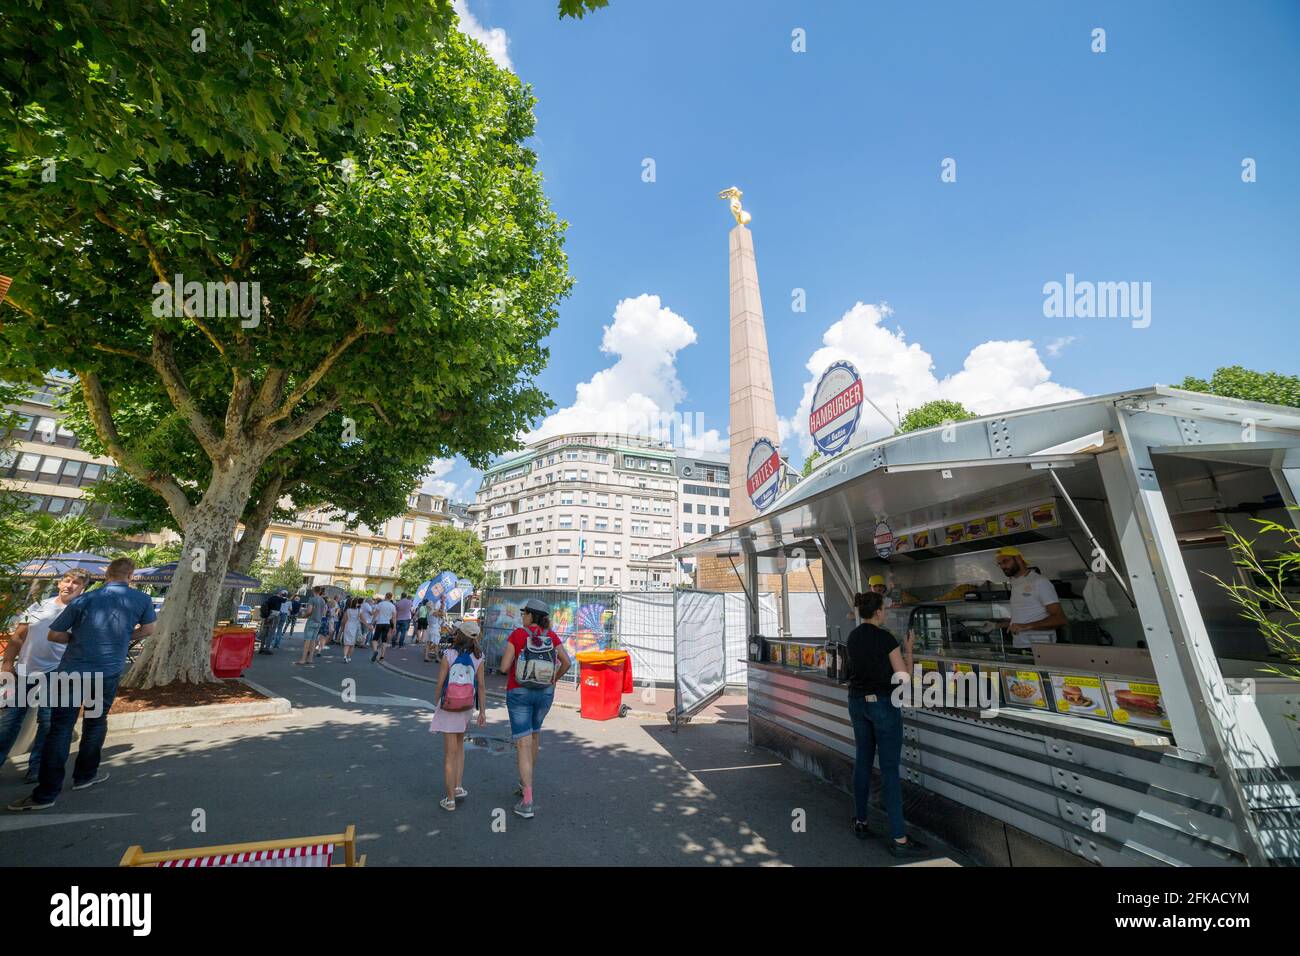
(622, 792)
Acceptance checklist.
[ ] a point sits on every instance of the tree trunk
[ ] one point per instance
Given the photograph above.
(180, 649)
(244, 552)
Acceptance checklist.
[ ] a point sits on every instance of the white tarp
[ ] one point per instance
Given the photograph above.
(700, 645)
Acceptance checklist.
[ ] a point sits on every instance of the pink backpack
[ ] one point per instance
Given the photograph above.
(459, 694)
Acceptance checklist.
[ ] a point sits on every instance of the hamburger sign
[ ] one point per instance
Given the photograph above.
(763, 473)
(836, 408)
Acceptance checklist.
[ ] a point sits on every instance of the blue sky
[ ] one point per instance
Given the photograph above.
(1114, 167)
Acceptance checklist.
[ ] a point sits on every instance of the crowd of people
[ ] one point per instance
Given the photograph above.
(373, 623)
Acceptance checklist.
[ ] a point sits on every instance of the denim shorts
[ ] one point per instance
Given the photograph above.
(527, 707)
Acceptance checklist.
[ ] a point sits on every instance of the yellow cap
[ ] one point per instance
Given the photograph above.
(874, 580)
(1009, 552)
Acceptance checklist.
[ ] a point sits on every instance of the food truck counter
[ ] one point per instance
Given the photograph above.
(1149, 728)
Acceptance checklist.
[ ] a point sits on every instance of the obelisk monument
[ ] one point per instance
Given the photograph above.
(753, 405)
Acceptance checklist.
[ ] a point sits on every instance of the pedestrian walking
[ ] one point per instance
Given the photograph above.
(288, 612)
(315, 606)
(534, 660)
(403, 618)
(422, 622)
(97, 627)
(270, 613)
(367, 610)
(351, 628)
(29, 656)
(327, 621)
(385, 612)
(874, 659)
(463, 686)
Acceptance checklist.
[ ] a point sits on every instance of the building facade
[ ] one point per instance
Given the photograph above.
(704, 497)
(361, 559)
(591, 511)
(41, 460)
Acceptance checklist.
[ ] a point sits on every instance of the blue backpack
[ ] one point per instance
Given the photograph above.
(461, 690)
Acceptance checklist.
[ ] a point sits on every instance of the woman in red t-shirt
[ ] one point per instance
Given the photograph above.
(526, 703)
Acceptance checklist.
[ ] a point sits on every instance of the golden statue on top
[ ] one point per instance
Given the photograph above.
(734, 194)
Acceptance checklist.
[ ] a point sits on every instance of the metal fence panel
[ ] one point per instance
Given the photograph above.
(644, 628)
(738, 631)
(700, 642)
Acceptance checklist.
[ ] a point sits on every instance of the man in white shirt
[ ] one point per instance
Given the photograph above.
(1035, 609)
(367, 620)
(28, 655)
(385, 612)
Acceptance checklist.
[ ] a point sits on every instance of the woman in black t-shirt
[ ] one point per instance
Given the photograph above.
(874, 658)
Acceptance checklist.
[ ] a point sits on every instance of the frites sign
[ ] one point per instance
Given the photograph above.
(763, 473)
(836, 408)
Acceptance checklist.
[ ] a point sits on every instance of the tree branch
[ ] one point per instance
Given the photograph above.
(164, 363)
(113, 349)
(303, 423)
(307, 384)
(102, 418)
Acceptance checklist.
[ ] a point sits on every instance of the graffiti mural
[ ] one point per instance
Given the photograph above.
(593, 629)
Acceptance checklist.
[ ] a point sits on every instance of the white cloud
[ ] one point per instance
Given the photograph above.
(1056, 346)
(898, 375)
(640, 393)
(435, 483)
(494, 40)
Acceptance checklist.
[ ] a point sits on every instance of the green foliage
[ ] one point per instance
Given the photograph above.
(445, 549)
(1265, 598)
(153, 555)
(1234, 381)
(26, 535)
(931, 414)
(491, 579)
(287, 575)
(810, 463)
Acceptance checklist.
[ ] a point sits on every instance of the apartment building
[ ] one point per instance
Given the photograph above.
(594, 511)
(704, 497)
(42, 461)
(360, 559)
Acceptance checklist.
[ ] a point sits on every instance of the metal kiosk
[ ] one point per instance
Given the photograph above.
(1150, 732)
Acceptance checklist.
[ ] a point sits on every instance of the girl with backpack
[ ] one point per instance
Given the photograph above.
(534, 660)
(461, 680)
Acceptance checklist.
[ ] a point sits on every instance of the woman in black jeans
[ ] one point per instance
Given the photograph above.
(874, 659)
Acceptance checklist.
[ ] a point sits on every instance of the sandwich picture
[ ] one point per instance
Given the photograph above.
(1044, 514)
(1148, 704)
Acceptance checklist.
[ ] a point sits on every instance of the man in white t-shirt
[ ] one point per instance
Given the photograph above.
(385, 612)
(1035, 609)
(29, 655)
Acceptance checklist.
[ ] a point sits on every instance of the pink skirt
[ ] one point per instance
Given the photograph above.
(450, 721)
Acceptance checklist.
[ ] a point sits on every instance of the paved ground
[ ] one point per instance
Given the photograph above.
(621, 792)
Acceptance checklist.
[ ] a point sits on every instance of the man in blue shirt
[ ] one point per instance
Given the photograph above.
(98, 628)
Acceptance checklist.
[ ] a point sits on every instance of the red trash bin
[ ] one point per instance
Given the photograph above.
(232, 650)
(605, 677)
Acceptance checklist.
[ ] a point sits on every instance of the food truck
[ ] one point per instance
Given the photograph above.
(1151, 730)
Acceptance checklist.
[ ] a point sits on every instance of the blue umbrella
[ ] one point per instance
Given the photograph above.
(57, 565)
(164, 573)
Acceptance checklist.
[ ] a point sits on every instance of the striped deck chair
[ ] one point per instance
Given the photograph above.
(303, 851)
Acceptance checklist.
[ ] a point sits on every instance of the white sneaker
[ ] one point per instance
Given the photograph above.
(461, 793)
(447, 803)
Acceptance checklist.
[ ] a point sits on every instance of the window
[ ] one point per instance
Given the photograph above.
(50, 466)
(277, 548)
(561, 574)
(70, 468)
(686, 526)
(618, 551)
(715, 529)
(727, 512)
(345, 554)
(408, 529)
(28, 462)
(91, 473)
(686, 507)
(57, 505)
(307, 552)
(598, 548)
(564, 546)
(45, 426)
(566, 521)
(614, 577)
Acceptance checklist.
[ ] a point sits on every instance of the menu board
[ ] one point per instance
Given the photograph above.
(902, 542)
(981, 528)
(1013, 521)
(1136, 703)
(922, 539)
(1044, 515)
(1079, 695)
(954, 533)
(963, 693)
(1024, 688)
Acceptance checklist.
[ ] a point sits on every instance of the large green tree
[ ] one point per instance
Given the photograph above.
(457, 550)
(1233, 381)
(938, 412)
(350, 179)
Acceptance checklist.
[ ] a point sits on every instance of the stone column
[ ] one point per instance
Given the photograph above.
(753, 405)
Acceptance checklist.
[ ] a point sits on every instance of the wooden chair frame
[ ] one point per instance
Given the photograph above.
(135, 855)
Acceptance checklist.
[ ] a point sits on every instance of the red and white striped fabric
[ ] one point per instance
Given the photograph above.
(318, 855)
